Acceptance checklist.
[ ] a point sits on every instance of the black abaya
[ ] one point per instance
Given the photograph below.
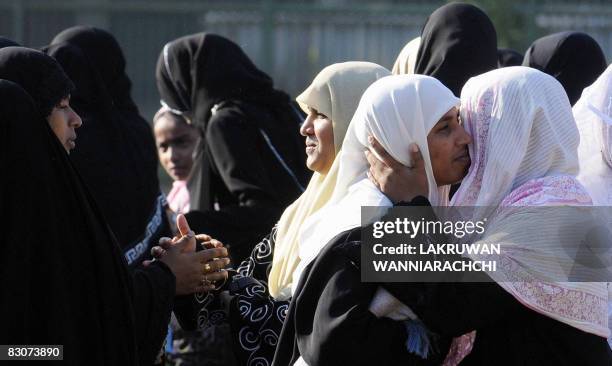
(89, 262)
(63, 278)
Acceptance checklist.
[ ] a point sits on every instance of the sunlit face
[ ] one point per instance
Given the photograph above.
(176, 141)
(448, 149)
(320, 149)
(64, 121)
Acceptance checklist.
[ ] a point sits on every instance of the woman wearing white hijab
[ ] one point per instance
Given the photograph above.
(329, 322)
(593, 114)
(524, 154)
(263, 282)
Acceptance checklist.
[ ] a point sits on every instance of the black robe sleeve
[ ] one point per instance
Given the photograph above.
(154, 289)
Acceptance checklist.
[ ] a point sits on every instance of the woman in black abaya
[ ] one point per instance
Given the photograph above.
(63, 281)
(250, 162)
(575, 59)
(116, 153)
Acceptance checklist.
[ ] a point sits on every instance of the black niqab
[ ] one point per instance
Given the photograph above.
(458, 42)
(573, 58)
(63, 280)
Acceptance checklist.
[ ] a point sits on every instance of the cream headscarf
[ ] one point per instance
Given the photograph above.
(404, 65)
(335, 92)
(525, 155)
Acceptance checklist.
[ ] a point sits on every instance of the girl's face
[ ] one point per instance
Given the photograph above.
(176, 141)
(448, 149)
(320, 148)
(64, 121)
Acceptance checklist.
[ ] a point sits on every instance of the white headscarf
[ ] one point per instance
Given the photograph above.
(593, 114)
(525, 154)
(396, 110)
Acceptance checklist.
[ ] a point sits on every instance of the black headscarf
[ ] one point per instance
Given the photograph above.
(508, 57)
(7, 42)
(40, 75)
(62, 276)
(458, 41)
(573, 58)
(115, 151)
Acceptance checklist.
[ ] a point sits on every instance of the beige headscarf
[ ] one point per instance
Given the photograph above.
(335, 92)
(407, 58)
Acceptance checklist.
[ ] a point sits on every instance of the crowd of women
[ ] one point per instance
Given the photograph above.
(253, 257)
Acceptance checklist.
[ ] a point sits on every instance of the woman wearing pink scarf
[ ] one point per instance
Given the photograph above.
(524, 155)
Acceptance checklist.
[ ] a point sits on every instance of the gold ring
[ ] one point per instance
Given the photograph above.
(206, 268)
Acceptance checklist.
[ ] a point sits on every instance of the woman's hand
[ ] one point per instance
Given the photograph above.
(194, 271)
(398, 182)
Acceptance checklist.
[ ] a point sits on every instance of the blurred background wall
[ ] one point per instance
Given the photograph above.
(291, 40)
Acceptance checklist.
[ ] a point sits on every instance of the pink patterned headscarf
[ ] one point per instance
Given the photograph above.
(525, 155)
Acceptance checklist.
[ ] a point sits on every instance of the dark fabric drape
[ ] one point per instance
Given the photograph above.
(508, 57)
(249, 164)
(115, 151)
(575, 59)
(63, 280)
(458, 41)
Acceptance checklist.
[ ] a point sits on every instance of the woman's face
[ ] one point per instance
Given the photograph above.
(448, 149)
(320, 149)
(175, 141)
(64, 121)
